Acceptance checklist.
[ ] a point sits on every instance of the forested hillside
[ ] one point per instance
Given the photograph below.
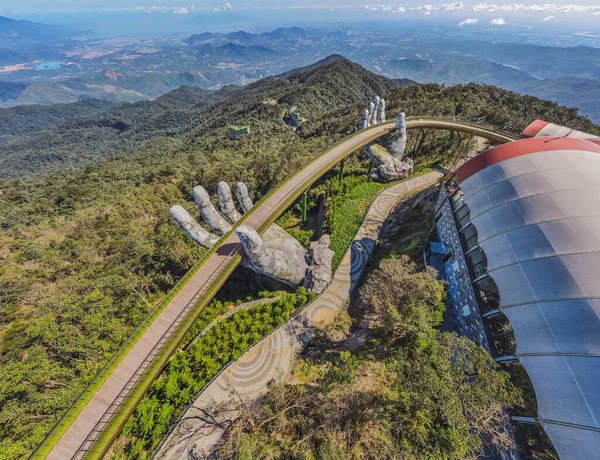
(86, 251)
(25, 120)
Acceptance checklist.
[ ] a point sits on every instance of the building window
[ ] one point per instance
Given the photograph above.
(463, 216)
(502, 338)
(457, 200)
(478, 262)
(469, 237)
(488, 294)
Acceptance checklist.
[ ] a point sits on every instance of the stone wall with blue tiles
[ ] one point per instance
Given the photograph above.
(460, 287)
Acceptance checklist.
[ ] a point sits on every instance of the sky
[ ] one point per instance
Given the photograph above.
(174, 5)
(577, 15)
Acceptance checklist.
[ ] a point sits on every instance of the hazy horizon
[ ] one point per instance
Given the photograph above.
(173, 16)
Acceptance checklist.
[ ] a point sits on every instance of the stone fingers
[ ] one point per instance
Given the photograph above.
(381, 111)
(399, 139)
(375, 110)
(241, 193)
(209, 213)
(192, 228)
(374, 113)
(275, 258)
(364, 121)
(371, 109)
(226, 203)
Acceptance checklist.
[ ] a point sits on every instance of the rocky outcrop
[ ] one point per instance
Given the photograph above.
(320, 259)
(276, 254)
(387, 167)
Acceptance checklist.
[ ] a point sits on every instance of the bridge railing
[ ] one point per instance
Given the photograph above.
(119, 417)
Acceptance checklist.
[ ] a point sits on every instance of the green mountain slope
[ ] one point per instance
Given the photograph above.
(86, 251)
(25, 120)
(86, 140)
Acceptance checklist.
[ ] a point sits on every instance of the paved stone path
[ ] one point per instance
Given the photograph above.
(273, 357)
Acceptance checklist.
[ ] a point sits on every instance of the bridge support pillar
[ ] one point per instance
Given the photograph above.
(420, 144)
(341, 173)
(304, 205)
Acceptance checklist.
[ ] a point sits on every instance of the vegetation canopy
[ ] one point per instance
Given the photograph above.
(414, 393)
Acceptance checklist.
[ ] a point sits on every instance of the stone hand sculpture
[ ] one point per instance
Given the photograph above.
(320, 256)
(390, 163)
(374, 113)
(398, 139)
(276, 254)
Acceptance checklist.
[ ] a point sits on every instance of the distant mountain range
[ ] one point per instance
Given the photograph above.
(248, 39)
(569, 76)
(233, 52)
(452, 70)
(120, 73)
(15, 27)
(25, 41)
(576, 92)
(538, 61)
(110, 86)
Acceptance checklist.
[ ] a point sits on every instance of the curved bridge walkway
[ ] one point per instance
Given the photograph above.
(273, 357)
(79, 440)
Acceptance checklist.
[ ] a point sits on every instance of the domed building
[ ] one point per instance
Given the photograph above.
(520, 225)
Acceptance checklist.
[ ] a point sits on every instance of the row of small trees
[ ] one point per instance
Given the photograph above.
(190, 370)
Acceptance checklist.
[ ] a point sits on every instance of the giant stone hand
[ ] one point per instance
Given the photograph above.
(276, 254)
(390, 163)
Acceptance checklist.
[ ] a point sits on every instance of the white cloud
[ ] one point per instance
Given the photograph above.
(227, 6)
(548, 18)
(498, 22)
(444, 7)
(427, 13)
(385, 8)
(537, 8)
(181, 11)
(468, 22)
(452, 6)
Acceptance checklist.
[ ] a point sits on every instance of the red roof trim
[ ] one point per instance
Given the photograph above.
(534, 128)
(522, 147)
